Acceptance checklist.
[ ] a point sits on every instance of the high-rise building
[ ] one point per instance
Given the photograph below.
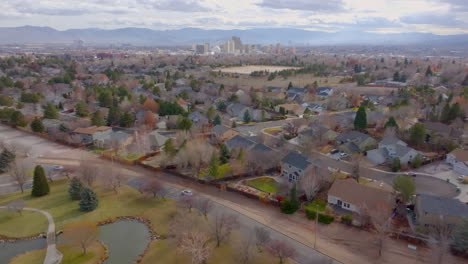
(230, 46)
(237, 43)
(207, 47)
(200, 49)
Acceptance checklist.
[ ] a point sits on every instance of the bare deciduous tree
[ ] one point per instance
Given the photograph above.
(380, 218)
(197, 245)
(187, 202)
(356, 163)
(113, 179)
(440, 238)
(262, 237)
(18, 173)
(81, 234)
(88, 172)
(221, 227)
(282, 250)
(245, 250)
(204, 205)
(152, 187)
(16, 206)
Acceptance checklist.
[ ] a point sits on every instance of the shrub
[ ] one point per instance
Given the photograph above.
(396, 165)
(325, 219)
(347, 219)
(288, 207)
(310, 214)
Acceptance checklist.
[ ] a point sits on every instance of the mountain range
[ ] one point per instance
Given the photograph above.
(188, 36)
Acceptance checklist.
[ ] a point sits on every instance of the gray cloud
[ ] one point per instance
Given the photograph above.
(457, 5)
(176, 5)
(447, 20)
(54, 9)
(309, 5)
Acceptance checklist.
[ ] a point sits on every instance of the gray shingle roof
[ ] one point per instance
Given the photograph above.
(297, 160)
(261, 147)
(219, 129)
(354, 136)
(442, 205)
(238, 142)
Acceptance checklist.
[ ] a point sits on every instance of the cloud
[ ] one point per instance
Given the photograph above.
(456, 5)
(368, 23)
(61, 8)
(447, 20)
(309, 5)
(176, 5)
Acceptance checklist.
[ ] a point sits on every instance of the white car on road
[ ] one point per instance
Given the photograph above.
(186, 192)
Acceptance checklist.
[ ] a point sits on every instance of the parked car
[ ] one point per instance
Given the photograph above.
(344, 155)
(57, 167)
(334, 151)
(410, 173)
(186, 192)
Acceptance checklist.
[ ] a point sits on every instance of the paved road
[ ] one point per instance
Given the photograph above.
(53, 256)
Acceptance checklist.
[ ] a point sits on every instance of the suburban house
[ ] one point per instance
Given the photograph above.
(113, 139)
(322, 133)
(88, 135)
(295, 94)
(391, 148)
(223, 133)
(324, 91)
(238, 110)
(459, 161)
(239, 142)
(355, 141)
(292, 109)
(293, 166)
(434, 129)
(352, 196)
(198, 119)
(430, 209)
(156, 140)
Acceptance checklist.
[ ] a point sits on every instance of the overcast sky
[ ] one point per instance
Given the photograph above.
(435, 16)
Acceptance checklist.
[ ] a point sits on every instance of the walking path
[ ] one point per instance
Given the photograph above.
(53, 256)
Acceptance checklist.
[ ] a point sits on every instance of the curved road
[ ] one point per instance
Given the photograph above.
(53, 256)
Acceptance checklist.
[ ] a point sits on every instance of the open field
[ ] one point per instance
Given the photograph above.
(248, 69)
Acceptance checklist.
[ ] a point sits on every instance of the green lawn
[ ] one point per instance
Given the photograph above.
(127, 202)
(316, 205)
(264, 184)
(71, 255)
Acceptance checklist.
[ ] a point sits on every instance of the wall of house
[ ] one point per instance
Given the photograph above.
(289, 171)
(345, 205)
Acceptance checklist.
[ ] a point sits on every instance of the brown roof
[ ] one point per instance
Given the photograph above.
(352, 192)
(460, 154)
(91, 130)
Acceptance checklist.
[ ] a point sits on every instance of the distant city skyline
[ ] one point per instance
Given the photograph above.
(442, 17)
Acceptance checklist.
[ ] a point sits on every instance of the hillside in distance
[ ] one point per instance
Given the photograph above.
(188, 36)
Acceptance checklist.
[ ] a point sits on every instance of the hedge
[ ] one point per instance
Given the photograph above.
(288, 207)
(347, 219)
(322, 218)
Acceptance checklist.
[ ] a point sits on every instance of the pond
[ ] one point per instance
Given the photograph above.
(126, 240)
(11, 249)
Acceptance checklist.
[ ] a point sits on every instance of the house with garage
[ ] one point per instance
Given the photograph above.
(354, 197)
(239, 142)
(237, 110)
(294, 165)
(157, 140)
(88, 135)
(223, 133)
(430, 210)
(389, 149)
(324, 91)
(355, 141)
(459, 161)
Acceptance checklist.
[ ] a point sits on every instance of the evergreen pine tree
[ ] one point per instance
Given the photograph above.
(217, 120)
(37, 126)
(40, 185)
(234, 124)
(225, 155)
(247, 117)
(89, 200)
(396, 165)
(114, 116)
(360, 122)
(126, 120)
(75, 188)
(429, 71)
(391, 123)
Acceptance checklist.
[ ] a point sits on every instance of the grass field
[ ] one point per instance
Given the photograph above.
(264, 184)
(127, 202)
(71, 255)
(316, 205)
